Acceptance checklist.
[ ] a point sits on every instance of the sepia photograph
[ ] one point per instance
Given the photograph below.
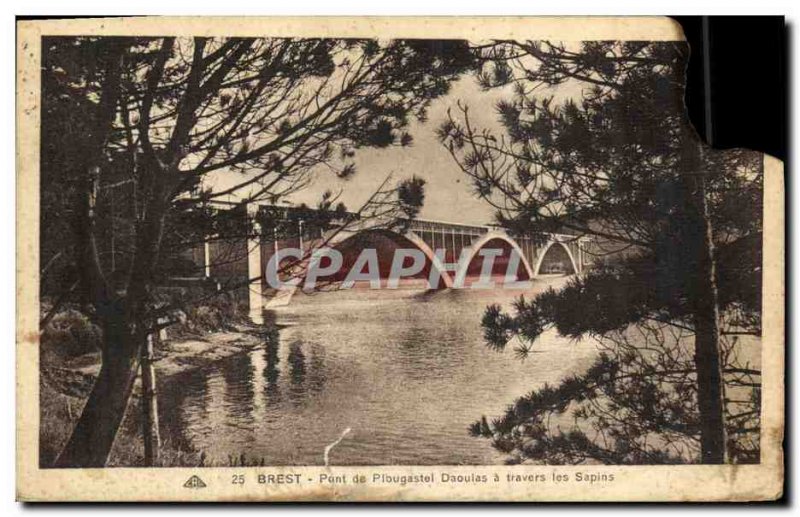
(261, 252)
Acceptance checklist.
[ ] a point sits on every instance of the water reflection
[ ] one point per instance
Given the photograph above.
(407, 375)
(271, 370)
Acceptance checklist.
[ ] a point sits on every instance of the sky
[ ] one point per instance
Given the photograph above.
(449, 193)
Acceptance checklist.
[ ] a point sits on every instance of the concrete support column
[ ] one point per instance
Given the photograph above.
(207, 258)
(454, 256)
(300, 233)
(254, 271)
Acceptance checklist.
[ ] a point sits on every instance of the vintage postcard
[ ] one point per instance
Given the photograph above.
(388, 259)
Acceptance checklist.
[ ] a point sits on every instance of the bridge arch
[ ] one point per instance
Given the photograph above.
(478, 245)
(546, 249)
(417, 241)
(283, 296)
(406, 240)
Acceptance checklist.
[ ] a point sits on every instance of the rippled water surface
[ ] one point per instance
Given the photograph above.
(405, 371)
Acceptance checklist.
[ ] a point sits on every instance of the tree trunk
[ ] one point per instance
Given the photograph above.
(150, 431)
(94, 434)
(710, 392)
(710, 383)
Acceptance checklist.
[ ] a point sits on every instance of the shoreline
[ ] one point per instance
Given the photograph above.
(172, 357)
(65, 385)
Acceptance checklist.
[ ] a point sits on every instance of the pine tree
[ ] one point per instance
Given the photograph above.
(677, 231)
(163, 115)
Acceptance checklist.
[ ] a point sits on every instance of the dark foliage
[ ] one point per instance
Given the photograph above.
(618, 163)
(145, 138)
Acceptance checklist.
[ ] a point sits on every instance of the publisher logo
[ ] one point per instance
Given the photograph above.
(194, 482)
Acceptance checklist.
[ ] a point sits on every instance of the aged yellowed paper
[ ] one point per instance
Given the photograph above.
(388, 259)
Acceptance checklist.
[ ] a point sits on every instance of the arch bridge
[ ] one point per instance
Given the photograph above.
(455, 251)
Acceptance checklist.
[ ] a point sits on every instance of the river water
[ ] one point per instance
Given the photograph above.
(406, 372)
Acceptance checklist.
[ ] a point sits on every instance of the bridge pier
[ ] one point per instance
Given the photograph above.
(254, 271)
